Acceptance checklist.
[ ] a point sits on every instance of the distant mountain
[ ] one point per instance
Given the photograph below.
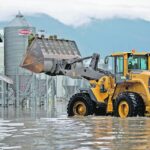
(99, 36)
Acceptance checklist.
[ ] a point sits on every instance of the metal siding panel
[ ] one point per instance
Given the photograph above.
(15, 46)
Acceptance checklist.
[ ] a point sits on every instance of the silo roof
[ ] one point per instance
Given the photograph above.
(19, 21)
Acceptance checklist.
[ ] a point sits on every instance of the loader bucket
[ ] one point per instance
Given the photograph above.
(43, 54)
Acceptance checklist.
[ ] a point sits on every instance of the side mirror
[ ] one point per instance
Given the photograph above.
(106, 60)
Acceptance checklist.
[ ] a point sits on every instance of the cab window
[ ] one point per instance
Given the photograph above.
(119, 65)
(137, 62)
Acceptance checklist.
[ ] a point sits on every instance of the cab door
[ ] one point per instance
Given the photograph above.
(119, 67)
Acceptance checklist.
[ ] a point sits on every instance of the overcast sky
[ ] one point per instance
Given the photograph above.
(77, 12)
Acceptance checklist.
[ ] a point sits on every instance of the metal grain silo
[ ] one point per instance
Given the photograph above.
(16, 41)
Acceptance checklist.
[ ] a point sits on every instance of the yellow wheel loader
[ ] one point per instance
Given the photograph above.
(123, 92)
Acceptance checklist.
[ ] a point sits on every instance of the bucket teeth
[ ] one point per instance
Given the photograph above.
(43, 53)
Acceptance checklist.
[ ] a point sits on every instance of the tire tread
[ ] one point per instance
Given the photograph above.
(137, 107)
(85, 98)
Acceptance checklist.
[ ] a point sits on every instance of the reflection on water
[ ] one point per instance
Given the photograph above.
(40, 129)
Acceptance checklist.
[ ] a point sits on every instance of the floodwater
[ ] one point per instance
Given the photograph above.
(51, 129)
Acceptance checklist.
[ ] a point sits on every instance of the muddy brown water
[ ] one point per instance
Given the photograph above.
(42, 129)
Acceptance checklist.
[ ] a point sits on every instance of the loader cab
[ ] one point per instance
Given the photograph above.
(122, 64)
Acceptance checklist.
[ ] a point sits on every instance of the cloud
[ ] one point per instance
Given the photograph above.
(77, 12)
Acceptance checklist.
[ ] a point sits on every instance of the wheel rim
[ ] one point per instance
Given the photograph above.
(123, 109)
(79, 108)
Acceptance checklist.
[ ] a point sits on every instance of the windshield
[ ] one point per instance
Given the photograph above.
(137, 62)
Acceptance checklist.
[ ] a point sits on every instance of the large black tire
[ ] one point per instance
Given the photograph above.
(133, 101)
(77, 99)
(141, 105)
